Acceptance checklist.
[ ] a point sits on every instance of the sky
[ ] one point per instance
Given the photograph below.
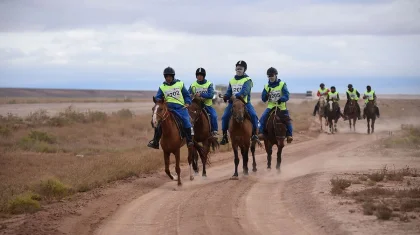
(106, 44)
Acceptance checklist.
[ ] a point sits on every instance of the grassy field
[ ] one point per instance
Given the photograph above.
(45, 158)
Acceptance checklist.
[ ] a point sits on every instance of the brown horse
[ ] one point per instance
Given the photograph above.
(370, 113)
(332, 112)
(275, 134)
(240, 131)
(171, 140)
(202, 133)
(352, 113)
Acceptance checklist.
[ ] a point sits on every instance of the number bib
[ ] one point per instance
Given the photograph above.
(174, 93)
(200, 90)
(274, 96)
(236, 88)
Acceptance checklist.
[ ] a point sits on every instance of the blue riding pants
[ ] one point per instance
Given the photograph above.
(213, 118)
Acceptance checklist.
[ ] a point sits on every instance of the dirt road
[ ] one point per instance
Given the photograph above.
(261, 203)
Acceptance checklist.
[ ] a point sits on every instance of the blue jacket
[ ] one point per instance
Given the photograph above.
(284, 90)
(246, 89)
(185, 94)
(210, 90)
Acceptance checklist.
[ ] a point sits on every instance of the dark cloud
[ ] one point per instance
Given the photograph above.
(230, 17)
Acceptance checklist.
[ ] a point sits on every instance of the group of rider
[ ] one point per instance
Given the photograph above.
(352, 95)
(179, 98)
(275, 93)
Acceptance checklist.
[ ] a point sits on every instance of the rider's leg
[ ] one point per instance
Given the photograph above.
(263, 120)
(359, 113)
(225, 123)
(156, 138)
(213, 120)
(186, 123)
(254, 120)
(316, 108)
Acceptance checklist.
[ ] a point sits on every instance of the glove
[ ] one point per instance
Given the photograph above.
(225, 98)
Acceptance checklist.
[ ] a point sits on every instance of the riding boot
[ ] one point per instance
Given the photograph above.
(254, 136)
(156, 138)
(316, 108)
(225, 139)
(188, 137)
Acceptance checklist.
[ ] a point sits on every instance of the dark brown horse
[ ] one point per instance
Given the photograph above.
(332, 111)
(352, 113)
(370, 113)
(171, 140)
(240, 131)
(202, 133)
(275, 134)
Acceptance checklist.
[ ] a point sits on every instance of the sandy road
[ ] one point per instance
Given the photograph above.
(255, 204)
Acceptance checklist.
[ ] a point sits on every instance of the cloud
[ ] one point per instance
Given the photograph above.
(219, 17)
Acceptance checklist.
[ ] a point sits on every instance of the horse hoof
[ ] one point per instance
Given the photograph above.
(204, 176)
(196, 173)
(174, 177)
(234, 177)
(246, 173)
(254, 169)
(191, 178)
(179, 184)
(268, 167)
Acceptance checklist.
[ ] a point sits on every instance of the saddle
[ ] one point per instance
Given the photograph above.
(284, 119)
(179, 125)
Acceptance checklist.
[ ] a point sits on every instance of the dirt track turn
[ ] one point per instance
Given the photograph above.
(255, 204)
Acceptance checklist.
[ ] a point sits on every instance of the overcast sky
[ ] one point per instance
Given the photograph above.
(127, 44)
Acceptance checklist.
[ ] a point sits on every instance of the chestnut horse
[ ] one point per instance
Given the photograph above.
(202, 133)
(332, 115)
(240, 131)
(370, 113)
(352, 113)
(275, 134)
(171, 140)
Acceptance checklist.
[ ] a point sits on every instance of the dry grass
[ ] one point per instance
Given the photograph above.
(409, 138)
(392, 199)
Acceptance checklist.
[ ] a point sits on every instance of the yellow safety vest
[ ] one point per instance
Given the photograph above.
(202, 88)
(275, 94)
(323, 92)
(353, 95)
(369, 96)
(333, 96)
(173, 93)
(237, 86)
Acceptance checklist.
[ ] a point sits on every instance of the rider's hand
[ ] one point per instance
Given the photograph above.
(186, 105)
(225, 98)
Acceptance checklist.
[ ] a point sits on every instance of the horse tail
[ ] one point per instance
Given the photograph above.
(214, 144)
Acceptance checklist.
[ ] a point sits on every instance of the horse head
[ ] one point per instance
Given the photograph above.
(238, 109)
(195, 109)
(160, 112)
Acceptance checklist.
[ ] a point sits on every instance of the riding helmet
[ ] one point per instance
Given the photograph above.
(350, 86)
(200, 71)
(368, 87)
(272, 70)
(333, 87)
(242, 64)
(322, 84)
(169, 71)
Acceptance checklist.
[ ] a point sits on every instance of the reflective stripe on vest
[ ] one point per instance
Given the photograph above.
(173, 93)
(333, 96)
(202, 88)
(237, 86)
(369, 96)
(275, 94)
(353, 95)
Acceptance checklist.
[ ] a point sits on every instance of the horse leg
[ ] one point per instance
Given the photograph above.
(236, 161)
(368, 125)
(373, 124)
(206, 145)
(335, 125)
(177, 168)
(350, 123)
(279, 151)
(254, 163)
(320, 120)
(354, 124)
(166, 159)
(244, 153)
(269, 150)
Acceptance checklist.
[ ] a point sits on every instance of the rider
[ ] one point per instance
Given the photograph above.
(177, 98)
(204, 89)
(370, 95)
(322, 91)
(334, 96)
(352, 94)
(239, 86)
(277, 94)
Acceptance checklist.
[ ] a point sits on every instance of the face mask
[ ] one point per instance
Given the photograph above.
(240, 71)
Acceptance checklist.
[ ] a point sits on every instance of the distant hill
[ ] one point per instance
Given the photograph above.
(84, 93)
